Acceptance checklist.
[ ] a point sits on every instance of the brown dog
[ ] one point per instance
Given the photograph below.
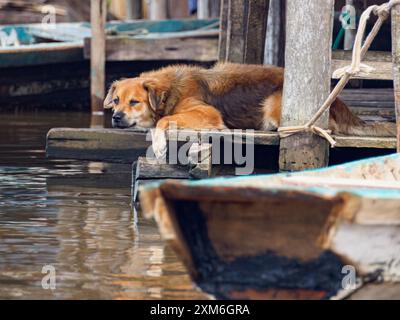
(229, 95)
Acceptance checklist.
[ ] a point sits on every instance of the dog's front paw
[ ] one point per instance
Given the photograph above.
(159, 144)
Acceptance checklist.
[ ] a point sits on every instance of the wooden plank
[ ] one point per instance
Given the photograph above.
(222, 45)
(259, 137)
(371, 56)
(380, 71)
(151, 169)
(215, 8)
(365, 142)
(247, 23)
(97, 144)
(275, 39)
(381, 61)
(98, 14)
(200, 160)
(203, 9)
(127, 145)
(375, 98)
(178, 9)
(396, 65)
(375, 114)
(134, 9)
(272, 138)
(237, 21)
(158, 9)
(256, 30)
(306, 58)
(128, 49)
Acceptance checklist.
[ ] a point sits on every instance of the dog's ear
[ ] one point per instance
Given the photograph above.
(108, 101)
(157, 96)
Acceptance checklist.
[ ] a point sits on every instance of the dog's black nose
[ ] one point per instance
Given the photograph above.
(117, 117)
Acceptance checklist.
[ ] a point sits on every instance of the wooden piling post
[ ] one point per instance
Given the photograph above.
(275, 42)
(247, 24)
(307, 81)
(203, 9)
(396, 65)
(98, 14)
(178, 9)
(215, 8)
(223, 31)
(158, 9)
(134, 9)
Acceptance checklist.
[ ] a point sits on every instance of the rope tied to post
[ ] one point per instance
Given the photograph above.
(346, 73)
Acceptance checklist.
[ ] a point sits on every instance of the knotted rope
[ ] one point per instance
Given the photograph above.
(346, 73)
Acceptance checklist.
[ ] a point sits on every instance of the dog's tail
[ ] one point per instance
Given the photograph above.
(343, 121)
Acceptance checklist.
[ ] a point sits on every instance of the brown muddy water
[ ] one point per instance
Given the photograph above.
(76, 217)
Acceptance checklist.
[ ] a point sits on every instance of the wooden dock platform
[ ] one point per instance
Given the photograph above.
(107, 145)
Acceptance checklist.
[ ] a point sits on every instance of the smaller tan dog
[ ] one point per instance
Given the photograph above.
(235, 96)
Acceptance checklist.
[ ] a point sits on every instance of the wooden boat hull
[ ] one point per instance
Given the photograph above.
(270, 237)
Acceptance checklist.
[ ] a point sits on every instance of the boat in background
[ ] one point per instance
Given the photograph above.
(47, 66)
(36, 44)
(322, 234)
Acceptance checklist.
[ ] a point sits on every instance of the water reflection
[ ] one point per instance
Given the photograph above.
(75, 216)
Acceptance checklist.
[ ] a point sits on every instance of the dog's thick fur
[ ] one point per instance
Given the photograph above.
(227, 96)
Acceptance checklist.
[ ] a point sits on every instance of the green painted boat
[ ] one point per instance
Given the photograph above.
(40, 44)
(332, 233)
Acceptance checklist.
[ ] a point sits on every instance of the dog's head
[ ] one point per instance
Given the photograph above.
(137, 102)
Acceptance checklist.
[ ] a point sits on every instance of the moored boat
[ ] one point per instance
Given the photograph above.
(321, 234)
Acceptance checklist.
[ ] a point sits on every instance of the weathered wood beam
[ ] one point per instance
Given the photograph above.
(197, 49)
(215, 8)
(381, 70)
(134, 9)
(380, 61)
(178, 9)
(98, 14)
(275, 39)
(203, 9)
(200, 160)
(307, 81)
(158, 9)
(247, 23)
(147, 171)
(272, 139)
(396, 65)
(107, 145)
(256, 31)
(223, 31)
(208, 9)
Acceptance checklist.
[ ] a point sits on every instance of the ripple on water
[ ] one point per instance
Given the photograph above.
(63, 213)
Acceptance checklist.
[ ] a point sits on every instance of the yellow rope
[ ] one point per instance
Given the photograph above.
(346, 73)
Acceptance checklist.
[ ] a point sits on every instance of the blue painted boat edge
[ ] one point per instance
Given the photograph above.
(362, 192)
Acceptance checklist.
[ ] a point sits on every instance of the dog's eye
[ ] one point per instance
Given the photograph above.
(116, 101)
(133, 103)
